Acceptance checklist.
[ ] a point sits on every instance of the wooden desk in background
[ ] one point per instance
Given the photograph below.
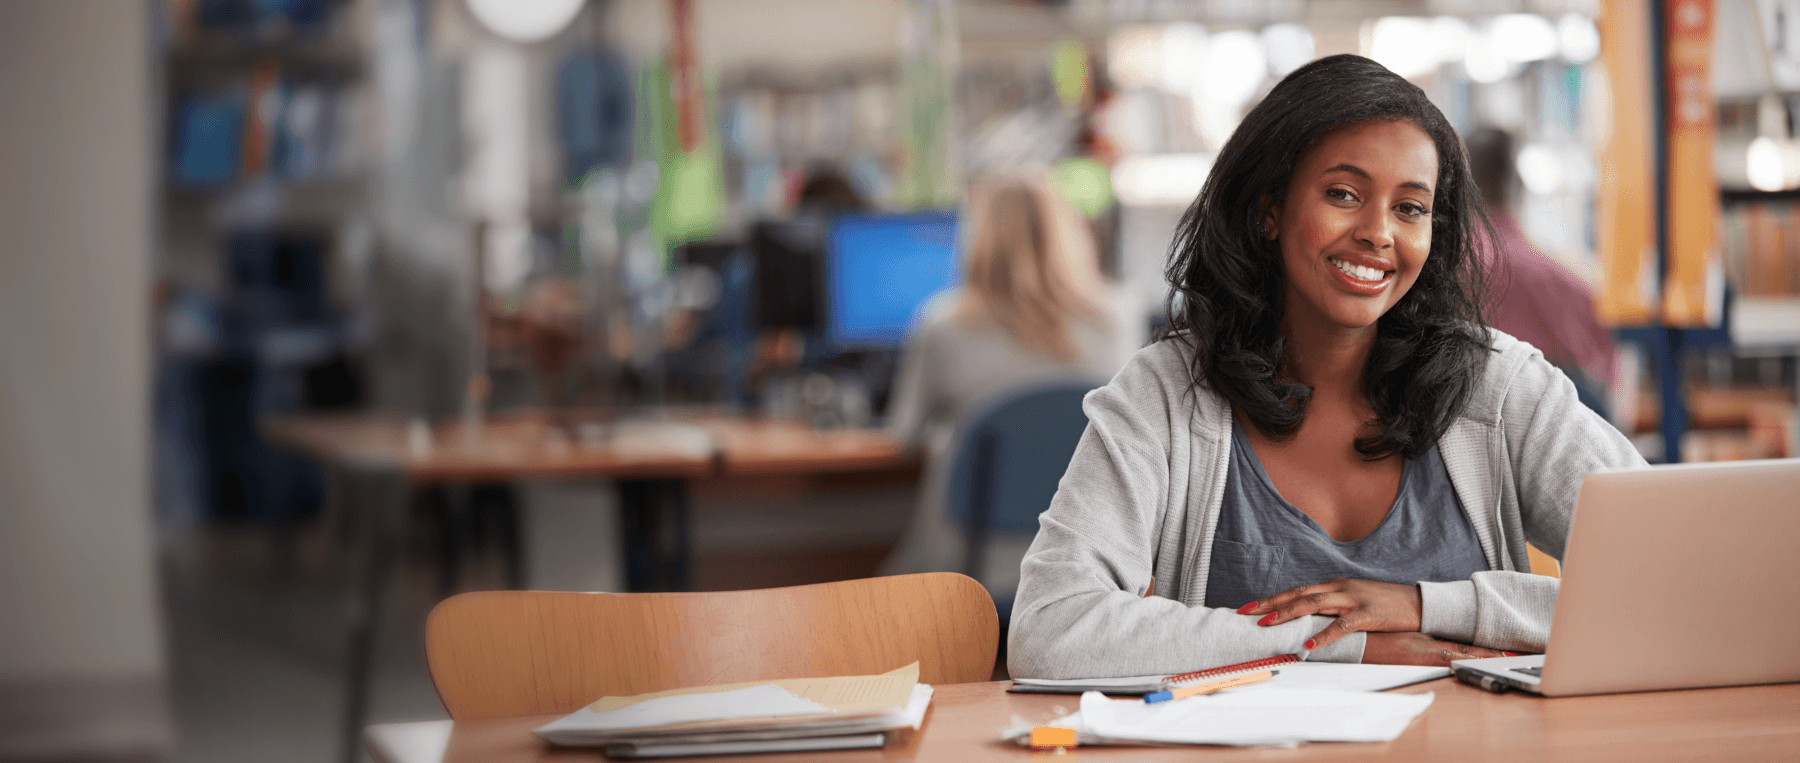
(1462, 724)
(653, 462)
(759, 447)
(375, 464)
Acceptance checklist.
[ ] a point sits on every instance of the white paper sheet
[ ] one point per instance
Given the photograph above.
(1269, 717)
(1339, 676)
(1298, 675)
(765, 700)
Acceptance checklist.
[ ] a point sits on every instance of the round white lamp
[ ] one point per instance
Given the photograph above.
(525, 20)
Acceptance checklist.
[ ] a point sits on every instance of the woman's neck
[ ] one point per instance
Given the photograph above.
(1330, 359)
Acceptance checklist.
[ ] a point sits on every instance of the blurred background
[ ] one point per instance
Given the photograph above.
(313, 312)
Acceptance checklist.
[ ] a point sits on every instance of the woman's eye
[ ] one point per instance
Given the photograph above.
(1413, 211)
(1340, 194)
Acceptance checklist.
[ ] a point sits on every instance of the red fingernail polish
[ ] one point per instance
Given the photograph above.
(1308, 644)
(1244, 610)
(1509, 654)
(1269, 618)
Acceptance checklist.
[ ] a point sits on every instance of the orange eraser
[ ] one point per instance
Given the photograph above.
(1050, 737)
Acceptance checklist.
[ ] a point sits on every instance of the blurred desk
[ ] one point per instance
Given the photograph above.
(511, 447)
(758, 447)
(376, 461)
(1462, 724)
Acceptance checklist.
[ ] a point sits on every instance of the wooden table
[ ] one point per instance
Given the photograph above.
(1462, 724)
(376, 461)
(515, 446)
(762, 447)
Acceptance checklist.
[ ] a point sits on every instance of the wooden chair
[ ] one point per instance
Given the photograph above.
(497, 654)
(1542, 563)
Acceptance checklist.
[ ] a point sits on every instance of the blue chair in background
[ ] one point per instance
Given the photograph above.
(1005, 466)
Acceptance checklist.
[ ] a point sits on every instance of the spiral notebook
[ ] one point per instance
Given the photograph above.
(1294, 674)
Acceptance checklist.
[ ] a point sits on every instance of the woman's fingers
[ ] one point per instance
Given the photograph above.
(1338, 629)
(1272, 603)
(1315, 603)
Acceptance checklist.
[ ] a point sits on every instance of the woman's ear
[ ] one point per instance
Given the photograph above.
(1268, 220)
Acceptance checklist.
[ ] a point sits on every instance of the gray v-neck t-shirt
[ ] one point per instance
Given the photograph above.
(1264, 545)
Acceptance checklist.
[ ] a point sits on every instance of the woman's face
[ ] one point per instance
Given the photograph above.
(1355, 227)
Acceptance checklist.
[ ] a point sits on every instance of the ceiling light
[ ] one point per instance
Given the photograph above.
(1235, 68)
(525, 20)
(1451, 36)
(1134, 58)
(1524, 37)
(1289, 47)
(1167, 180)
(1540, 169)
(1404, 45)
(1579, 39)
(1484, 61)
(1183, 56)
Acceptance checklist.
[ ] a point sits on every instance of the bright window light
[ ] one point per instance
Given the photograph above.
(1524, 37)
(1451, 35)
(1134, 57)
(1763, 163)
(525, 20)
(1289, 47)
(1183, 56)
(1404, 45)
(1235, 68)
(1579, 39)
(1165, 180)
(1483, 59)
(1540, 168)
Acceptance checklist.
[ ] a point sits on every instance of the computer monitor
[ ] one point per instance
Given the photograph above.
(881, 269)
(788, 254)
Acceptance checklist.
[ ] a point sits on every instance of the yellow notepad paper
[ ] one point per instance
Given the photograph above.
(844, 694)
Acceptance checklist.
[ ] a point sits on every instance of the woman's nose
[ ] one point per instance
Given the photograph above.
(1375, 229)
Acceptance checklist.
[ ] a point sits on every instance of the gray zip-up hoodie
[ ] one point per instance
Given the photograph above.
(1140, 502)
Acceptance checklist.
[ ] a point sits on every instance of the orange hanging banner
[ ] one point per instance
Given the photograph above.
(689, 99)
(1627, 197)
(1692, 280)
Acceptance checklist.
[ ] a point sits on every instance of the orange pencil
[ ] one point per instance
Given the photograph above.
(1210, 686)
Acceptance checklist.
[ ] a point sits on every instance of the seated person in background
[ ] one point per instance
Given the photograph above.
(1327, 430)
(1537, 299)
(1030, 309)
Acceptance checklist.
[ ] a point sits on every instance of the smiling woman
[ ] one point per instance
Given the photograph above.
(1371, 226)
(1327, 452)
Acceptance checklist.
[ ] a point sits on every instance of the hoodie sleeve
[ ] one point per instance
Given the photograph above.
(1553, 443)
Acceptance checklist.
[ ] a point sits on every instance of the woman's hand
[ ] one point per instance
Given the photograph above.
(1419, 649)
(1359, 605)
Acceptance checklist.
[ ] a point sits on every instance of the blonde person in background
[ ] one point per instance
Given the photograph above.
(1030, 309)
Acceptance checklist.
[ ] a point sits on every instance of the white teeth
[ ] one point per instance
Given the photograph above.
(1359, 272)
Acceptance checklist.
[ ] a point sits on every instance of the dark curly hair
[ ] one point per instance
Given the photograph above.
(1226, 300)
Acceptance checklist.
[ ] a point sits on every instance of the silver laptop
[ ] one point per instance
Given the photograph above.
(1675, 578)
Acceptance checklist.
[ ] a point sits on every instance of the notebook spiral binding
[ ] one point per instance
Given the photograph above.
(1198, 676)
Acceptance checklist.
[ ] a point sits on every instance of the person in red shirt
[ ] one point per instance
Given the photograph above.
(1535, 298)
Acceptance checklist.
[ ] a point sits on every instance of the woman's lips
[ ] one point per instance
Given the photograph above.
(1362, 278)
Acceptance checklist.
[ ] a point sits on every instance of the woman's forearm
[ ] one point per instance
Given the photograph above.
(1497, 609)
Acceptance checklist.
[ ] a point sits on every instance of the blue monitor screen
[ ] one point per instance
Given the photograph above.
(881, 269)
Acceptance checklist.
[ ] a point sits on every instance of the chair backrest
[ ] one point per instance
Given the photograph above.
(497, 654)
(1008, 460)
